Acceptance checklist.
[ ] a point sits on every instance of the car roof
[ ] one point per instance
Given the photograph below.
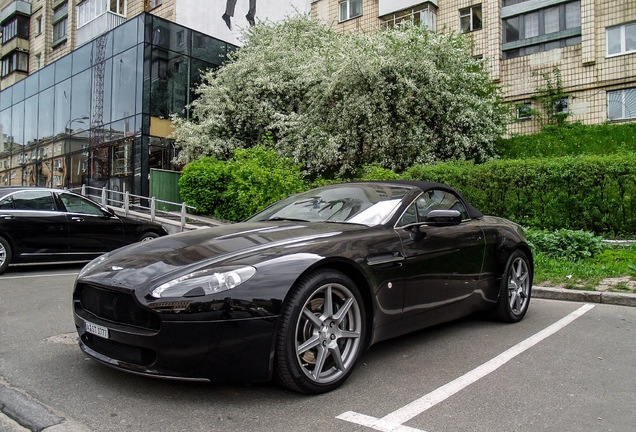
(425, 186)
(6, 190)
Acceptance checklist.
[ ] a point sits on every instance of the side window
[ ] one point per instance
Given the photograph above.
(6, 203)
(435, 199)
(75, 204)
(34, 200)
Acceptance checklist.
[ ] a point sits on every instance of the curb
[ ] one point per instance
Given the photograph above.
(20, 413)
(613, 298)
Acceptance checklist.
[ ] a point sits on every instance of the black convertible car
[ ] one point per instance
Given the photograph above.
(299, 290)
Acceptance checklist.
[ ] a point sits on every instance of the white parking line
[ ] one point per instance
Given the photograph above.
(39, 275)
(393, 422)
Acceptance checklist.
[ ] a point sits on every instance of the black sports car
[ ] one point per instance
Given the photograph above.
(301, 288)
(45, 225)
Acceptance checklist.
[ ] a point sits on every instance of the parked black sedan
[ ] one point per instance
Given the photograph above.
(45, 225)
(299, 290)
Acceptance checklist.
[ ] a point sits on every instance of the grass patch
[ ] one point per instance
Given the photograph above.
(586, 273)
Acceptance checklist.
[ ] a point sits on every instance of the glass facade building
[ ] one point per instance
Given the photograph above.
(100, 115)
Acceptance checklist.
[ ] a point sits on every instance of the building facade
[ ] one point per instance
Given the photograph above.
(591, 44)
(87, 86)
(99, 115)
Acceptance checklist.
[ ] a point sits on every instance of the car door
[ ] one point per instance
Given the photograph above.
(92, 229)
(442, 264)
(34, 223)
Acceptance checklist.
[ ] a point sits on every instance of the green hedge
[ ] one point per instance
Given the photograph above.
(592, 193)
(235, 189)
(571, 139)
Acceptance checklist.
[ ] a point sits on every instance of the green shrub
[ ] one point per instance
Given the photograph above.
(592, 193)
(563, 243)
(571, 139)
(235, 189)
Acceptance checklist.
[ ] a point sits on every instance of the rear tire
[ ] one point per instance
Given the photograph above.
(515, 290)
(5, 254)
(321, 333)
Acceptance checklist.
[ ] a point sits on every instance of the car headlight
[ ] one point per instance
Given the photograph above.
(203, 282)
(92, 264)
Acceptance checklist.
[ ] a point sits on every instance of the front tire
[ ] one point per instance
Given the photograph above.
(321, 333)
(5, 254)
(147, 236)
(515, 289)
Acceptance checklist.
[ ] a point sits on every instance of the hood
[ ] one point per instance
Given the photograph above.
(148, 262)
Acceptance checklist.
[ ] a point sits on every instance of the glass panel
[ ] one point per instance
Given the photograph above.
(82, 58)
(33, 200)
(630, 103)
(6, 98)
(46, 113)
(18, 92)
(355, 8)
(5, 132)
(125, 36)
(62, 112)
(615, 105)
(124, 80)
(630, 37)
(47, 76)
(613, 40)
(531, 24)
(81, 96)
(464, 20)
(476, 18)
(343, 11)
(17, 126)
(208, 49)
(573, 15)
(63, 68)
(31, 85)
(511, 27)
(551, 19)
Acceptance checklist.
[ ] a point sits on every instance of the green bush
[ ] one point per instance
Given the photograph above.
(571, 139)
(235, 189)
(572, 245)
(592, 193)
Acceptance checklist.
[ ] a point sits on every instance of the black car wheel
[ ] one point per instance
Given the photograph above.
(516, 287)
(321, 333)
(148, 236)
(5, 254)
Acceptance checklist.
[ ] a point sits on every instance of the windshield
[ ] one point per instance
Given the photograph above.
(367, 204)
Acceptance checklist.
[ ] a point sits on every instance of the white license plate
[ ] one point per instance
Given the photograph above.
(95, 329)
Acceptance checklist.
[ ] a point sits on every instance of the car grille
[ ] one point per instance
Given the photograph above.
(116, 307)
(119, 351)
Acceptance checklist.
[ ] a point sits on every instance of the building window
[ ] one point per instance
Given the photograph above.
(38, 29)
(621, 39)
(154, 3)
(560, 106)
(426, 17)
(18, 26)
(470, 19)
(60, 21)
(621, 104)
(552, 27)
(524, 111)
(350, 9)
(15, 61)
(38, 61)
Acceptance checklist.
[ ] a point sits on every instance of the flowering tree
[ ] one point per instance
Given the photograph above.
(335, 102)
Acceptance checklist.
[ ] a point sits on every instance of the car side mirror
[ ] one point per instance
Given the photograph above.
(443, 218)
(107, 213)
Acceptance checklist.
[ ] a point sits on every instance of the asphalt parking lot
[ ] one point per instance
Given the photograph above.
(568, 366)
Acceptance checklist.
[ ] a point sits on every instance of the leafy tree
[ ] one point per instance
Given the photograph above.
(336, 102)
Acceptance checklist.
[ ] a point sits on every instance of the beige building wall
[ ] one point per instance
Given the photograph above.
(587, 73)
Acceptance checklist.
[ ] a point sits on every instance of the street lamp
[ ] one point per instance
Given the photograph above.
(75, 120)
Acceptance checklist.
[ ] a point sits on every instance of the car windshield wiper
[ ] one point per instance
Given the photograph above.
(278, 218)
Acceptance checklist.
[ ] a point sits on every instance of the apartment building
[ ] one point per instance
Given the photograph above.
(591, 43)
(87, 87)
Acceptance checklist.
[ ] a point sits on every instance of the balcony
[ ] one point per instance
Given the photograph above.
(100, 25)
(386, 7)
(18, 6)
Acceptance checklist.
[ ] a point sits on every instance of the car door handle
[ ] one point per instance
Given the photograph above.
(77, 219)
(7, 217)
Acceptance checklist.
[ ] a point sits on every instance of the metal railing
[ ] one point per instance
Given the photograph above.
(145, 207)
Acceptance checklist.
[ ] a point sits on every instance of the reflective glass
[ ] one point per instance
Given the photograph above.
(6, 98)
(613, 40)
(31, 120)
(17, 125)
(551, 19)
(18, 92)
(5, 132)
(81, 91)
(62, 112)
(573, 15)
(124, 84)
(125, 36)
(46, 113)
(630, 37)
(531, 24)
(511, 29)
(63, 68)
(47, 76)
(31, 85)
(82, 58)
